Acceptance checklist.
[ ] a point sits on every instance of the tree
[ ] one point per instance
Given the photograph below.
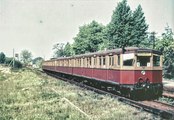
(26, 57)
(38, 62)
(166, 46)
(58, 50)
(2, 57)
(152, 39)
(89, 38)
(105, 39)
(120, 27)
(126, 28)
(68, 50)
(139, 26)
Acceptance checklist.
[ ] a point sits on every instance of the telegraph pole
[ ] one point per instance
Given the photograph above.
(13, 58)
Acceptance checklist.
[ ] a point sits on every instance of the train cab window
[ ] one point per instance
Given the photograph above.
(143, 61)
(128, 59)
(156, 60)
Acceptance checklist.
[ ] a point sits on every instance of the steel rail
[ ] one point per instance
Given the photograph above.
(168, 95)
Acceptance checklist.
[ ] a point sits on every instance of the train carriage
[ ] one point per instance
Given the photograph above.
(133, 71)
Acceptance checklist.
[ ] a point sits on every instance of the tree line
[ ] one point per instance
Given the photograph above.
(126, 28)
(25, 60)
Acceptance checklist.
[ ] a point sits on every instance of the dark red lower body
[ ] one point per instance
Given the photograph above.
(125, 80)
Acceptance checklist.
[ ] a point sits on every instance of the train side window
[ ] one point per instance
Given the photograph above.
(75, 62)
(80, 64)
(118, 60)
(104, 60)
(95, 61)
(111, 60)
(100, 61)
(90, 61)
(63, 62)
(156, 60)
(69, 63)
(87, 62)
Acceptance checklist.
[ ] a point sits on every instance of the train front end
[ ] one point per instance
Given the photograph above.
(142, 73)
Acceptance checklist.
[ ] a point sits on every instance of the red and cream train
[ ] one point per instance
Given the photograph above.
(132, 72)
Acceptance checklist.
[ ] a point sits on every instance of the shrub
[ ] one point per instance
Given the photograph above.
(9, 61)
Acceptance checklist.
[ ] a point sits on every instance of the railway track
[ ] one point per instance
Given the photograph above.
(168, 95)
(169, 89)
(155, 107)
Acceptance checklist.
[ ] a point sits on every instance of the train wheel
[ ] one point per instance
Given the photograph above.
(133, 95)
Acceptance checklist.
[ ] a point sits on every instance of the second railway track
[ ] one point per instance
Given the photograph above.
(168, 95)
(155, 107)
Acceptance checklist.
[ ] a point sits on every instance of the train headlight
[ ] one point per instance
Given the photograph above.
(143, 72)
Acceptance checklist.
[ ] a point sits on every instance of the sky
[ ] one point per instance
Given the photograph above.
(36, 25)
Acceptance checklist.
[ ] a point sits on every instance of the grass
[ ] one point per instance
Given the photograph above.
(166, 100)
(29, 95)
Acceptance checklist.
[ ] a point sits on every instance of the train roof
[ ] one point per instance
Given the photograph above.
(115, 51)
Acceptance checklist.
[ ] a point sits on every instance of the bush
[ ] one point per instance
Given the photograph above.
(2, 57)
(9, 61)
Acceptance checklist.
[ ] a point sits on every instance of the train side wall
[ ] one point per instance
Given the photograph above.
(110, 75)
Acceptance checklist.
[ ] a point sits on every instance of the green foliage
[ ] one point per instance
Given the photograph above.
(38, 62)
(166, 45)
(105, 36)
(62, 50)
(126, 28)
(89, 38)
(58, 50)
(139, 27)
(68, 50)
(2, 57)
(120, 27)
(26, 57)
(17, 64)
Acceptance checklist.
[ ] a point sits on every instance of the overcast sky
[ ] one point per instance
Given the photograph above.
(36, 25)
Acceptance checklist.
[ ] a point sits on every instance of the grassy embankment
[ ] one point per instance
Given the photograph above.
(26, 94)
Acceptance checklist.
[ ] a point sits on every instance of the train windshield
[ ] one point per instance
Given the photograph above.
(128, 59)
(143, 61)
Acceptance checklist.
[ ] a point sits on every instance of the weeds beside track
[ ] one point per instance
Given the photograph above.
(161, 109)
